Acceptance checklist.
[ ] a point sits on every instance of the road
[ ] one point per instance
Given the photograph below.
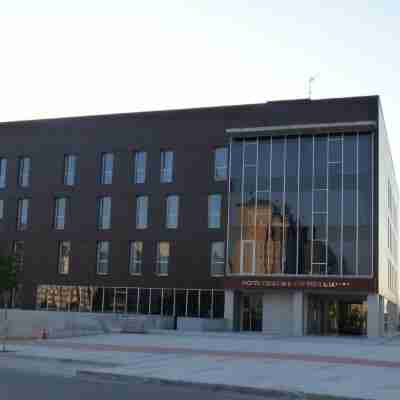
(22, 379)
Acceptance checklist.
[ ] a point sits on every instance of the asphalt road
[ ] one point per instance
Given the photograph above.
(22, 379)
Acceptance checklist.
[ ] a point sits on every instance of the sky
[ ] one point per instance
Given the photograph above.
(79, 57)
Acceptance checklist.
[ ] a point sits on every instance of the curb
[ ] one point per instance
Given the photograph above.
(276, 394)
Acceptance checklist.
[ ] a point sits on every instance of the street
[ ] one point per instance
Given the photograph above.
(22, 379)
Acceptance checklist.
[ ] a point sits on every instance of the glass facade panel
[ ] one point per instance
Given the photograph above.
(301, 205)
(221, 164)
(3, 173)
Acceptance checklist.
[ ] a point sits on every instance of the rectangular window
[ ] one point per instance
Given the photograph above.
(3, 173)
(107, 161)
(140, 167)
(136, 255)
(167, 165)
(142, 203)
(22, 214)
(172, 212)
(59, 213)
(103, 253)
(24, 170)
(162, 258)
(69, 169)
(104, 213)
(1, 209)
(220, 164)
(214, 211)
(217, 258)
(18, 253)
(64, 251)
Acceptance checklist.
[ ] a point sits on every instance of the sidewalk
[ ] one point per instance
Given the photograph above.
(348, 367)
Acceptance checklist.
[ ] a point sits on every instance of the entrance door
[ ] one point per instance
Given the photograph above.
(251, 316)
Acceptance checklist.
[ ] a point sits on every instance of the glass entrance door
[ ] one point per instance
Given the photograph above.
(251, 315)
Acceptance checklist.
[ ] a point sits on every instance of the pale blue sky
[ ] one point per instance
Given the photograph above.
(74, 57)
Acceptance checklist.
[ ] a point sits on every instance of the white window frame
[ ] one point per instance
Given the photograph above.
(24, 170)
(3, 173)
(140, 171)
(59, 213)
(104, 213)
(135, 264)
(107, 168)
(162, 264)
(167, 171)
(64, 260)
(142, 206)
(219, 168)
(217, 265)
(100, 263)
(172, 212)
(213, 215)
(69, 169)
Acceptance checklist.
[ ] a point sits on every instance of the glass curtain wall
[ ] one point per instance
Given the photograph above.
(301, 205)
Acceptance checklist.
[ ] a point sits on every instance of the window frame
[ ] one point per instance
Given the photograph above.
(174, 215)
(61, 257)
(106, 177)
(58, 216)
(24, 171)
(104, 224)
(139, 171)
(213, 262)
(133, 261)
(215, 215)
(217, 178)
(3, 172)
(161, 262)
(22, 215)
(166, 172)
(99, 261)
(70, 161)
(145, 210)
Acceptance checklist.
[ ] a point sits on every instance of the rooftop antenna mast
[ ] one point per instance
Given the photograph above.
(310, 83)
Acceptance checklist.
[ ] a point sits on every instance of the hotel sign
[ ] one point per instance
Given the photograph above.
(349, 284)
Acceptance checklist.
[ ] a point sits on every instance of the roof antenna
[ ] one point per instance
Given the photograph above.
(310, 82)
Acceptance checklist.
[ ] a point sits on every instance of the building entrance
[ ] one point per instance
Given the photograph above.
(332, 316)
(251, 313)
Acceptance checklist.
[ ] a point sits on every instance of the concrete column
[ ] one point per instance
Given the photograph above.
(375, 316)
(229, 308)
(298, 313)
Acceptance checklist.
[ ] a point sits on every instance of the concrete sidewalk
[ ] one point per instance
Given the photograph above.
(348, 367)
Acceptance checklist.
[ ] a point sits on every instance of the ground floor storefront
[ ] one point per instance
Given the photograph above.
(298, 313)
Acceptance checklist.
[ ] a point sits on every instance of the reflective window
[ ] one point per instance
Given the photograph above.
(302, 205)
(142, 212)
(64, 251)
(167, 166)
(69, 169)
(220, 163)
(107, 162)
(162, 258)
(172, 213)
(1, 208)
(140, 167)
(214, 211)
(103, 254)
(135, 259)
(24, 170)
(59, 213)
(22, 214)
(104, 213)
(217, 258)
(3, 173)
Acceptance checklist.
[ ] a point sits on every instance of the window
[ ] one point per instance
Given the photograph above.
(64, 251)
(104, 213)
(107, 161)
(103, 252)
(69, 169)
(3, 172)
(162, 258)
(220, 164)
(214, 210)
(167, 161)
(22, 214)
(172, 212)
(217, 258)
(140, 167)
(24, 170)
(135, 258)
(59, 213)
(142, 203)
(18, 252)
(1, 209)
